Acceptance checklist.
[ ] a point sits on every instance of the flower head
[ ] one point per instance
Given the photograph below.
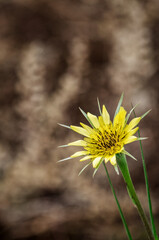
(104, 139)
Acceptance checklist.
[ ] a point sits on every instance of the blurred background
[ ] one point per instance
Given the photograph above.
(57, 56)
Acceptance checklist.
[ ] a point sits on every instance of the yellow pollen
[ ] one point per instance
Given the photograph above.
(106, 143)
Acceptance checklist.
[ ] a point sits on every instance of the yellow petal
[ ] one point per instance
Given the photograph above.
(85, 158)
(80, 130)
(79, 154)
(106, 160)
(101, 122)
(113, 160)
(130, 139)
(125, 136)
(77, 143)
(133, 131)
(132, 124)
(93, 119)
(96, 161)
(120, 117)
(87, 128)
(105, 115)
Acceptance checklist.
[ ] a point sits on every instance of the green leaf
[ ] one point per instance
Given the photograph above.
(119, 105)
(99, 106)
(85, 115)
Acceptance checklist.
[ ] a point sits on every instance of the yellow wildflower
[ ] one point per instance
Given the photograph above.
(104, 139)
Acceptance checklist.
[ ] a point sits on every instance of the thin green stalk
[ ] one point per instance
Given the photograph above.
(148, 192)
(120, 211)
(147, 188)
(122, 163)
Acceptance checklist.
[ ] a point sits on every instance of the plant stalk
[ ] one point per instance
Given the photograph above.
(147, 188)
(122, 163)
(117, 202)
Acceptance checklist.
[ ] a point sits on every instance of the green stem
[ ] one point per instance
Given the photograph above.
(122, 163)
(147, 188)
(148, 192)
(120, 211)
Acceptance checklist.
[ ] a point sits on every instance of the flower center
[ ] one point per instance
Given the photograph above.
(105, 143)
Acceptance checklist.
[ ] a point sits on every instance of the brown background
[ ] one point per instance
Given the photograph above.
(56, 56)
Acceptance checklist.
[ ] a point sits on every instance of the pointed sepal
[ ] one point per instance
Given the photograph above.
(63, 125)
(119, 105)
(85, 115)
(100, 111)
(129, 114)
(128, 154)
(84, 168)
(116, 168)
(65, 159)
(145, 114)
